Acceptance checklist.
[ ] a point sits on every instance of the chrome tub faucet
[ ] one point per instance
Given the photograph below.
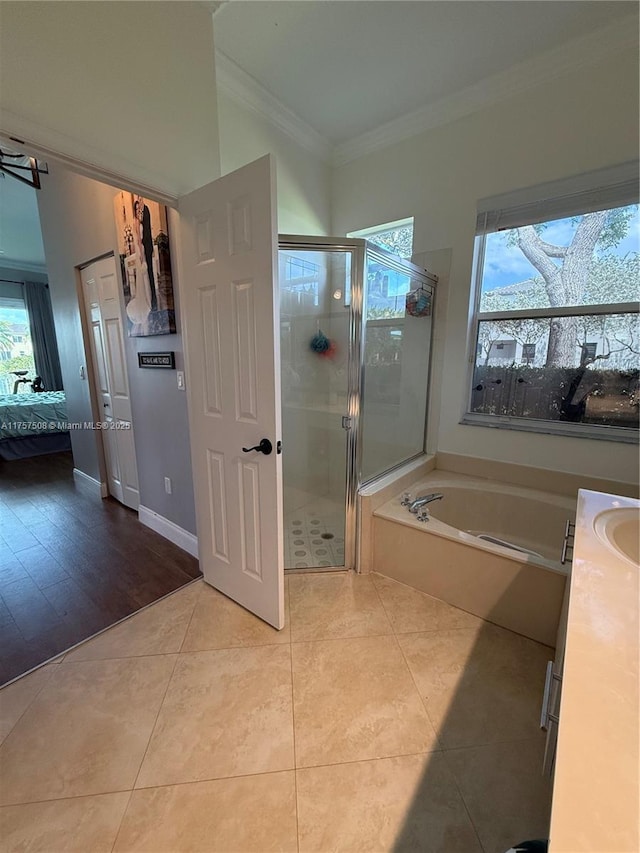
(415, 505)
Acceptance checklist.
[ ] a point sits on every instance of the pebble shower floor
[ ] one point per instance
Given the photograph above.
(313, 538)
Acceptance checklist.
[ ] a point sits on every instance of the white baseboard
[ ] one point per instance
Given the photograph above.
(178, 535)
(99, 489)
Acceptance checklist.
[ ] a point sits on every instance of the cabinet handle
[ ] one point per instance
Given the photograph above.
(569, 533)
(546, 696)
(545, 715)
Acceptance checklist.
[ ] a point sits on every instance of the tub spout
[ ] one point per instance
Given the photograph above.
(414, 506)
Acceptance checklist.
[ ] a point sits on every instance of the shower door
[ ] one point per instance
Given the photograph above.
(320, 313)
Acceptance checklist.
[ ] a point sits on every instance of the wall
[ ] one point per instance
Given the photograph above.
(12, 274)
(585, 120)
(127, 86)
(303, 180)
(77, 220)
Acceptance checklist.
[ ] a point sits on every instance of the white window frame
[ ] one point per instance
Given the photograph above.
(608, 188)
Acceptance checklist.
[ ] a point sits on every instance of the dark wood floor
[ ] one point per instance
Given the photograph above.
(70, 563)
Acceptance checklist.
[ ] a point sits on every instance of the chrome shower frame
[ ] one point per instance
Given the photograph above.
(359, 250)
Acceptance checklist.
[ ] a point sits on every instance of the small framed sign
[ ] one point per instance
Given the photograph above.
(157, 359)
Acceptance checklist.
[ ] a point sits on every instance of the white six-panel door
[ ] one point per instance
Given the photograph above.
(101, 291)
(230, 311)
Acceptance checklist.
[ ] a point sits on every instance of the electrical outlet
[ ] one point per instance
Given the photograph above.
(167, 485)
(180, 378)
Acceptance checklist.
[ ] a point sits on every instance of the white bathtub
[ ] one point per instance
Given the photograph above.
(518, 589)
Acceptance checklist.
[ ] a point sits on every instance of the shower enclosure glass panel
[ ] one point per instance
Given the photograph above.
(315, 350)
(396, 363)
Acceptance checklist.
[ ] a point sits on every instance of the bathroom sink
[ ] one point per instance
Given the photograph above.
(619, 529)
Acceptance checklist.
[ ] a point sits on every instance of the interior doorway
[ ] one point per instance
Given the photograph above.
(101, 304)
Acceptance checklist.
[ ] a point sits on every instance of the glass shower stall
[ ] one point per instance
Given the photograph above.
(355, 341)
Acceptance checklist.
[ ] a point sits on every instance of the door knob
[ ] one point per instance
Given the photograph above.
(265, 447)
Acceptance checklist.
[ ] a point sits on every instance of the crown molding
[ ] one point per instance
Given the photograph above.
(214, 6)
(580, 52)
(245, 89)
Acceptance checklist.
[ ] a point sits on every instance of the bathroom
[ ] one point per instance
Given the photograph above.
(371, 770)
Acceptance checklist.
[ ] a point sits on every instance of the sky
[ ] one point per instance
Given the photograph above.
(506, 264)
(14, 315)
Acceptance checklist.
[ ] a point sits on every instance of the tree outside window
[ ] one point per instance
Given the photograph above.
(16, 350)
(565, 293)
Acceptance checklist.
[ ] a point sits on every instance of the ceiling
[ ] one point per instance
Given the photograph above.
(348, 66)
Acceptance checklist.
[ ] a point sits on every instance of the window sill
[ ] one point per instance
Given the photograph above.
(603, 433)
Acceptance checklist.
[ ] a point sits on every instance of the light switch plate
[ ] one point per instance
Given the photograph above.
(180, 378)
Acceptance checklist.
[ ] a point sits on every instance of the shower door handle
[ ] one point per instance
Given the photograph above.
(265, 447)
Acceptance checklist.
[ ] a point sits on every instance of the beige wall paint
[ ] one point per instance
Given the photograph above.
(78, 225)
(583, 121)
(128, 86)
(303, 180)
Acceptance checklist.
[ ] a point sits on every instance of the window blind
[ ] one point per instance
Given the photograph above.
(601, 190)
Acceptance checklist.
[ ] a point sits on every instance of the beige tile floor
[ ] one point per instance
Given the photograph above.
(379, 720)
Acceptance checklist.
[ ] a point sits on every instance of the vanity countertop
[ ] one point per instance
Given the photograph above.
(596, 794)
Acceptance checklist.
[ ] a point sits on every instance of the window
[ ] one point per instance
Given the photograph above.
(16, 351)
(556, 327)
(387, 288)
(300, 285)
(394, 237)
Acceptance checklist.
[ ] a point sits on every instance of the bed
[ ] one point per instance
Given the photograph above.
(33, 424)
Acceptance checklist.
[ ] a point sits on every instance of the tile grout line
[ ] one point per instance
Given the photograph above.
(489, 743)
(293, 722)
(29, 704)
(158, 787)
(64, 799)
(155, 722)
(119, 829)
(406, 663)
(422, 700)
(464, 803)
(384, 609)
(195, 604)
(438, 738)
(434, 751)
(345, 637)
